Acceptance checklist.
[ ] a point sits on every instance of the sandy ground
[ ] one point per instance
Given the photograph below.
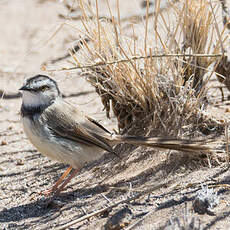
(25, 43)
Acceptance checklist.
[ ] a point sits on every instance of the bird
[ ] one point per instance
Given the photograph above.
(61, 132)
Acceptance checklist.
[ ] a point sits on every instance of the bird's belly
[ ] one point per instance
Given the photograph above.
(60, 149)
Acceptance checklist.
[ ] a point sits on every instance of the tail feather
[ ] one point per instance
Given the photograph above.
(164, 143)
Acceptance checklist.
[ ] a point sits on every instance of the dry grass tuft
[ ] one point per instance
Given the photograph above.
(198, 31)
(152, 95)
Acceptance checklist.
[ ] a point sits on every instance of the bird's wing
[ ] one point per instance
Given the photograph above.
(70, 123)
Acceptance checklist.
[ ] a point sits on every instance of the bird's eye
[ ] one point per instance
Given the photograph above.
(44, 88)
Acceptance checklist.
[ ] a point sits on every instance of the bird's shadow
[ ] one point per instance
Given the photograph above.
(47, 205)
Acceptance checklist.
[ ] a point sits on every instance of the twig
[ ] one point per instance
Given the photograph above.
(78, 94)
(17, 95)
(227, 140)
(111, 206)
(4, 95)
(130, 194)
(74, 49)
(118, 13)
(135, 58)
(106, 198)
(146, 27)
(217, 29)
(98, 28)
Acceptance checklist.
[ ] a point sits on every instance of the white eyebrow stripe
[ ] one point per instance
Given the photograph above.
(41, 83)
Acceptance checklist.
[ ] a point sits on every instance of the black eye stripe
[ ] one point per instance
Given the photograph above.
(40, 88)
(44, 87)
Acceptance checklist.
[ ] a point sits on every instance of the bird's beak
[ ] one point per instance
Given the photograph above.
(24, 87)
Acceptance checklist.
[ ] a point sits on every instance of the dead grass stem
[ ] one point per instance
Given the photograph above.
(154, 76)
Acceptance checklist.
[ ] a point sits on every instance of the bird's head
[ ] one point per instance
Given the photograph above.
(39, 90)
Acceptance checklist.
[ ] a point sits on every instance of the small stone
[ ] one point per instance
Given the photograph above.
(43, 68)
(3, 143)
(119, 220)
(205, 200)
(20, 162)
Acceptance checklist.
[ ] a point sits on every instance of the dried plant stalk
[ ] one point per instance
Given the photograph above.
(198, 28)
(150, 95)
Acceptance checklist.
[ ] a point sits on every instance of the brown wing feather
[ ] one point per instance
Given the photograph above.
(76, 127)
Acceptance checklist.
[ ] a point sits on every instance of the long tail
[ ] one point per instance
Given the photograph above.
(164, 143)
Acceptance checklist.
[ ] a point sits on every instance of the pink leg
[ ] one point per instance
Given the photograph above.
(54, 188)
(62, 187)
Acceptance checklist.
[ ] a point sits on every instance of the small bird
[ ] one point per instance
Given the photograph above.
(61, 132)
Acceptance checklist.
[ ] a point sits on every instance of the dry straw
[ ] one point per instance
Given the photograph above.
(163, 95)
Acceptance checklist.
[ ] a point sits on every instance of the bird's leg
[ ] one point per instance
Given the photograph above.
(54, 188)
(62, 187)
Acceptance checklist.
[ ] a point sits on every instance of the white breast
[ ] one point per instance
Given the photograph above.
(59, 149)
(32, 99)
